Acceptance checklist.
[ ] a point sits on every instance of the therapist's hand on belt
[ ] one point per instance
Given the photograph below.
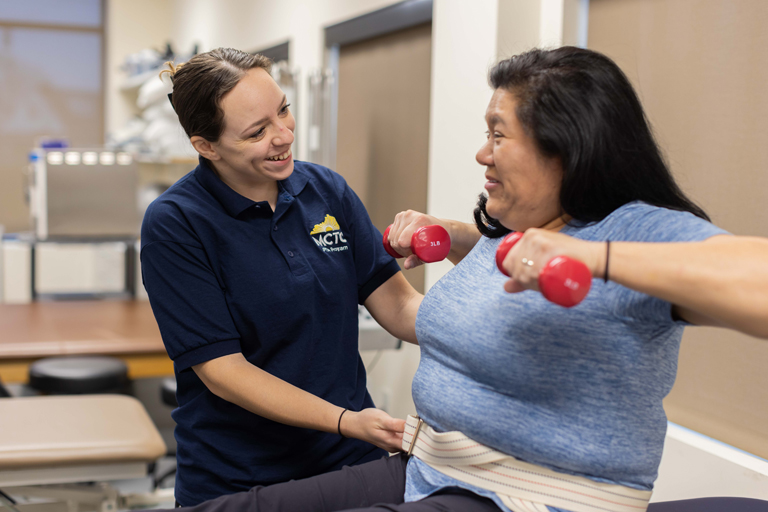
(374, 426)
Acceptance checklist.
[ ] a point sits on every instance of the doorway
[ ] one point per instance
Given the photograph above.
(382, 144)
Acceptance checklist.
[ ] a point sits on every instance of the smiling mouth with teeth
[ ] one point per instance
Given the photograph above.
(278, 158)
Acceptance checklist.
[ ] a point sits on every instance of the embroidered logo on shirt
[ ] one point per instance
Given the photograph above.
(328, 235)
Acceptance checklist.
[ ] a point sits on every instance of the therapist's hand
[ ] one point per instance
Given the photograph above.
(400, 234)
(374, 426)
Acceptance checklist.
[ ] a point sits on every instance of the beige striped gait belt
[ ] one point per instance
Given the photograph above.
(523, 487)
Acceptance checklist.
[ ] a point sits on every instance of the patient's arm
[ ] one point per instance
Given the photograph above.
(236, 380)
(463, 236)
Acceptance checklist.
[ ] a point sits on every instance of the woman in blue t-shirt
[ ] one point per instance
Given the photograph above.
(525, 405)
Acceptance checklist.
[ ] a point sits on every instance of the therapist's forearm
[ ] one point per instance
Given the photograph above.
(235, 380)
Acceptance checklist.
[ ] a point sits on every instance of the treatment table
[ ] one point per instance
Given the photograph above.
(62, 450)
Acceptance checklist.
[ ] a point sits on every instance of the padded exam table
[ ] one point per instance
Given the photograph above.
(50, 444)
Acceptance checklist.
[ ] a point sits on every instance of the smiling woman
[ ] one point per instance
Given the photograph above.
(523, 185)
(252, 156)
(256, 305)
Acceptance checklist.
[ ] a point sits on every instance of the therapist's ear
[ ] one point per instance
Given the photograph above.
(205, 148)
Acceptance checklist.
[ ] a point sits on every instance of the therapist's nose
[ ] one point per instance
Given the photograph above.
(484, 155)
(284, 135)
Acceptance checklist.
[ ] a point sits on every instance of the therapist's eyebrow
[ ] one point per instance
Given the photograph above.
(263, 119)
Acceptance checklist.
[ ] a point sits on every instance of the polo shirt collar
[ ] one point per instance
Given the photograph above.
(234, 203)
(294, 183)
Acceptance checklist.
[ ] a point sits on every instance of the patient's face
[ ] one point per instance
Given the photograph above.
(523, 186)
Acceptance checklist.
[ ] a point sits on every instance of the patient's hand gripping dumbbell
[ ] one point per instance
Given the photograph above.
(563, 280)
(428, 243)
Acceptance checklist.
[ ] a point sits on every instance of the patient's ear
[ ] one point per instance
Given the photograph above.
(204, 148)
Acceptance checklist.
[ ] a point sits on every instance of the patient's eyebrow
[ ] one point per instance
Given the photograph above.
(495, 119)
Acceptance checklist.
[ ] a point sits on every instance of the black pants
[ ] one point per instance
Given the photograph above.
(380, 486)
(376, 486)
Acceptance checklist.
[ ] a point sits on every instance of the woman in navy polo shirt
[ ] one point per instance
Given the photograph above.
(254, 265)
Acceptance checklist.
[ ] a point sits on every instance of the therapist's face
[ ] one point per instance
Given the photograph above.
(523, 186)
(255, 147)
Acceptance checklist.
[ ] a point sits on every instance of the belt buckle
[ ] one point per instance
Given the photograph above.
(415, 435)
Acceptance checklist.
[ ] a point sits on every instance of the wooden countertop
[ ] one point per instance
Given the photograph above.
(44, 329)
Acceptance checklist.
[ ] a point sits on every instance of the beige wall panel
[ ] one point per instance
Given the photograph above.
(383, 124)
(700, 69)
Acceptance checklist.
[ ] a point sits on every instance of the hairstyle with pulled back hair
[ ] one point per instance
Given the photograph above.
(200, 83)
(577, 105)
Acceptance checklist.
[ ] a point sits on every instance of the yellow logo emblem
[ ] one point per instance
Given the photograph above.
(328, 224)
(328, 235)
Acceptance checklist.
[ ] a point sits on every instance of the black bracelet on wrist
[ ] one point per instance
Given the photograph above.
(339, 426)
(607, 259)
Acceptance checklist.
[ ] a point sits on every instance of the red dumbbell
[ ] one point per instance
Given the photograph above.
(563, 280)
(428, 243)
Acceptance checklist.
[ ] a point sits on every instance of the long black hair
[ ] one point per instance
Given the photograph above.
(577, 105)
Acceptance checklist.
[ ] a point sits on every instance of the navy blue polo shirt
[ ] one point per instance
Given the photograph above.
(226, 274)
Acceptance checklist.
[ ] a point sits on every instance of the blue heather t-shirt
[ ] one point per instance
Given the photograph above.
(576, 390)
(225, 275)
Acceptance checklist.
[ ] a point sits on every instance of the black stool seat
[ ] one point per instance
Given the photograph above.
(78, 375)
(4, 392)
(168, 392)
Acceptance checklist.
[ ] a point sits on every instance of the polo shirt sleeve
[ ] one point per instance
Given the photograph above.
(645, 223)
(373, 266)
(188, 303)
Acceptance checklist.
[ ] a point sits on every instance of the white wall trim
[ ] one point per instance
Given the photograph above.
(696, 466)
(718, 448)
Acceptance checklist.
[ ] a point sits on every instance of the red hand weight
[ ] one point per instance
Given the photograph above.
(428, 243)
(563, 280)
(388, 247)
(504, 247)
